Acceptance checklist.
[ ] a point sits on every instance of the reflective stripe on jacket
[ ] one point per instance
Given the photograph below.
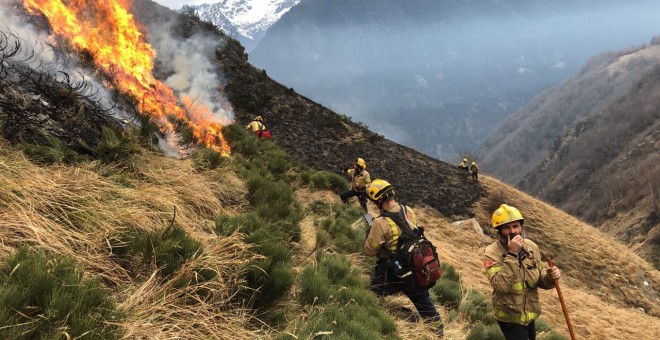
(515, 285)
(384, 234)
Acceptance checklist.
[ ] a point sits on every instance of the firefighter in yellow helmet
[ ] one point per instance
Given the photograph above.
(514, 268)
(359, 182)
(382, 241)
(474, 170)
(464, 165)
(257, 126)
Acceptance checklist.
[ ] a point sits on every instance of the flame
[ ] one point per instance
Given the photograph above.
(109, 32)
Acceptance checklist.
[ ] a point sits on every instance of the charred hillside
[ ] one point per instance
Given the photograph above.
(314, 135)
(318, 137)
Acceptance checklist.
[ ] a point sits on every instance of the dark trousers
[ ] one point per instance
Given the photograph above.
(514, 331)
(361, 195)
(385, 282)
(475, 175)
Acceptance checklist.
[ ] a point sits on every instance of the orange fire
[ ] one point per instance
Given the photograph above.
(108, 31)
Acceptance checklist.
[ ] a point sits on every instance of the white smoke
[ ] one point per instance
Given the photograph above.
(192, 71)
(17, 31)
(38, 52)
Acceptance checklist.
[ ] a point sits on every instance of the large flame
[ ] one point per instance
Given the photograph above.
(107, 30)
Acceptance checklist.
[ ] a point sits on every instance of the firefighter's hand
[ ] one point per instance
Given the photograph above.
(554, 273)
(515, 244)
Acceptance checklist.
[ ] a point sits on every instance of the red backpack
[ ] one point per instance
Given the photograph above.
(415, 253)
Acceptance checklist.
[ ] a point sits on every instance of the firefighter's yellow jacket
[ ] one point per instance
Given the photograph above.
(384, 234)
(515, 284)
(256, 126)
(360, 181)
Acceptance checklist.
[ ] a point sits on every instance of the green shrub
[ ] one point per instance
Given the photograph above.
(349, 321)
(337, 301)
(322, 238)
(477, 308)
(47, 297)
(112, 148)
(50, 151)
(272, 275)
(448, 292)
(328, 180)
(338, 221)
(275, 202)
(168, 250)
(207, 159)
(449, 272)
(246, 224)
(278, 162)
(479, 331)
(542, 326)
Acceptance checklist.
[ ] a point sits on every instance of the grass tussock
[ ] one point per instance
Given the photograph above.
(80, 211)
(49, 297)
(337, 304)
(201, 309)
(337, 222)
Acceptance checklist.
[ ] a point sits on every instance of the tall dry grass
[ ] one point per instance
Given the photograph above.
(75, 210)
(603, 282)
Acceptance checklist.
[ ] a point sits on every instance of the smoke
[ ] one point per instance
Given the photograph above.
(40, 52)
(193, 74)
(20, 32)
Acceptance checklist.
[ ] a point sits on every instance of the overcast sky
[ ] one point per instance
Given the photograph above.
(176, 4)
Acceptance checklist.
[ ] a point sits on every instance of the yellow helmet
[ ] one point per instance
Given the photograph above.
(259, 119)
(379, 190)
(505, 214)
(361, 163)
(474, 163)
(465, 160)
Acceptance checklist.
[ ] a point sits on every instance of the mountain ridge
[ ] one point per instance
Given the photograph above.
(589, 146)
(245, 20)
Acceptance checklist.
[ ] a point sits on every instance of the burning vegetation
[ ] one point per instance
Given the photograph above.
(108, 33)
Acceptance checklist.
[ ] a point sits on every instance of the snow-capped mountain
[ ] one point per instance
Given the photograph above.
(245, 20)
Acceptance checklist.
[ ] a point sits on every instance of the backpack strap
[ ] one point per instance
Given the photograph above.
(401, 220)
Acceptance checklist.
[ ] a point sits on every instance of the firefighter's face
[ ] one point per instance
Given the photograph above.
(511, 229)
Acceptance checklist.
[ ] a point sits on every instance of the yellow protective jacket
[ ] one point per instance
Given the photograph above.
(361, 181)
(256, 126)
(384, 234)
(463, 165)
(515, 285)
(474, 168)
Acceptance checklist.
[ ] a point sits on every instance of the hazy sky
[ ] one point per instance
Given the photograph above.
(176, 4)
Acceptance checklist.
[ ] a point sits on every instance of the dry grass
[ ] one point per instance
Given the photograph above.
(74, 210)
(602, 280)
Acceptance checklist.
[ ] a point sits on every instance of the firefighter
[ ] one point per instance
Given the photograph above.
(382, 241)
(257, 126)
(464, 165)
(359, 182)
(515, 271)
(474, 170)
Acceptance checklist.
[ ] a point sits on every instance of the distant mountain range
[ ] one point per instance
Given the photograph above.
(244, 20)
(440, 75)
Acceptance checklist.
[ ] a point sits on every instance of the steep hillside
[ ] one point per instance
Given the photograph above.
(306, 129)
(453, 70)
(590, 146)
(600, 274)
(103, 236)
